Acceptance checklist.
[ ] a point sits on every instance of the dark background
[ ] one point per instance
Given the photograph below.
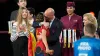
(82, 6)
(7, 6)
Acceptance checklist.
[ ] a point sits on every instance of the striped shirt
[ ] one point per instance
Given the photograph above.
(15, 34)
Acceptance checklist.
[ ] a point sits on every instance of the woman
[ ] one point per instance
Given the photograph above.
(41, 34)
(89, 18)
(19, 35)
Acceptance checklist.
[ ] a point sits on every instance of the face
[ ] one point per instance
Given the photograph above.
(22, 3)
(30, 15)
(85, 20)
(24, 13)
(70, 10)
(48, 17)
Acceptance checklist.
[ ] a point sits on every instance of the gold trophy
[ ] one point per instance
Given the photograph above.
(10, 27)
(65, 38)
(69, 37)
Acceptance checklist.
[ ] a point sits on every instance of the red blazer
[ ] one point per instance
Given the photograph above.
(75, 22)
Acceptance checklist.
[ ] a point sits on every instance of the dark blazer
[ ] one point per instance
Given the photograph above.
(53, 39)
(36, 24)
(13, 15)
(98, 20)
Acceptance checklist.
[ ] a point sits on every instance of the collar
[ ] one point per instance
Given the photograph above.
(87, 37)
(72, 15)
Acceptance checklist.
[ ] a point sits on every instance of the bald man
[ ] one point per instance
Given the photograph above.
(55, 29)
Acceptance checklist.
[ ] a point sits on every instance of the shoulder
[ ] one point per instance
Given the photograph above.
(57, 21)
(97, 40)
(15, 11)
(99, 12)
(63, 18)
(78, 41)
(78, 16)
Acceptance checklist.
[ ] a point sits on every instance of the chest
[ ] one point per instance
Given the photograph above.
(39, 31)
(71, 22)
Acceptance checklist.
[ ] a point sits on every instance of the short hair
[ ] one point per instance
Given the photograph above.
(40, 17)
(90, 28)
(18, 1)
(31, 10)
(91, 18)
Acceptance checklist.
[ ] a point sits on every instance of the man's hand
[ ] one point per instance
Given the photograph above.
(50, 52)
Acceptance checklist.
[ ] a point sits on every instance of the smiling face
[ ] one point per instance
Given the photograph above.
(24, 13)
(70, 10)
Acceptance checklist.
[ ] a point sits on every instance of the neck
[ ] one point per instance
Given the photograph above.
(71, 14)
(53, 18)
(22, 7)
(90, 35)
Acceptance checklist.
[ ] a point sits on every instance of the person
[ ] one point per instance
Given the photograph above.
(32, 37)
(88, 45)
(97, 35)
(20, 3)
(41, 35)
(71, 21)
(31, 15)
(98, 19)
(20, 32)
(55, 29)
(89, 18)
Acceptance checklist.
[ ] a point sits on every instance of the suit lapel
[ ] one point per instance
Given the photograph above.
(53, 23)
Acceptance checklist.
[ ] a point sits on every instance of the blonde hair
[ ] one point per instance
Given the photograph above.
(20, 19)
(91, 19)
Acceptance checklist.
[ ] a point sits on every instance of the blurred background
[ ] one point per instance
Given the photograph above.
(7, 6)
(82, 6)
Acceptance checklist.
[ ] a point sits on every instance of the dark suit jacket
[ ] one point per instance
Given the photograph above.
(98, 20)
(36, 24)
(53, 39)
(13, 15)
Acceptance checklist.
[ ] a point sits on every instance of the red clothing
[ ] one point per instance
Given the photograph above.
(39, 42)
(73, 22)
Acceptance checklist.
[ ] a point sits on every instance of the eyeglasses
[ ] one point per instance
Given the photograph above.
(46, 17)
